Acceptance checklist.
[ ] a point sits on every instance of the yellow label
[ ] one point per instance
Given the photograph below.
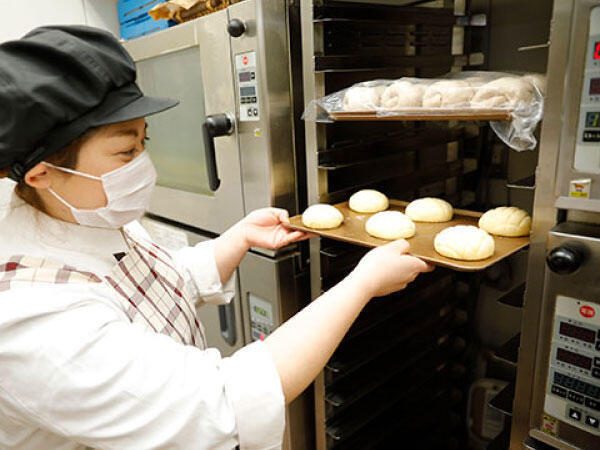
(550, 425)
(579, 194)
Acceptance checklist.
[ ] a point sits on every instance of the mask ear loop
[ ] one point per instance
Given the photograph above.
(60, 199)
(74, 172)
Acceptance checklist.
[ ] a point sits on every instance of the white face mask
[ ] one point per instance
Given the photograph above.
(128, 190)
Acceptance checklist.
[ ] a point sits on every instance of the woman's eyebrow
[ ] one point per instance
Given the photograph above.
(125, 132)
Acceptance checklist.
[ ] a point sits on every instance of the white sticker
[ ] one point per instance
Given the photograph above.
(580, 188)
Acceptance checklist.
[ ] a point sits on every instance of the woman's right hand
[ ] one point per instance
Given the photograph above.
(388, 269)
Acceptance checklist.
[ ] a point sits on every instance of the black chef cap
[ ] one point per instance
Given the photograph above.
(56, 83)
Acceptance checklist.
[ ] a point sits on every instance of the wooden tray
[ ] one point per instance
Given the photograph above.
(419, 114)
(421, 244)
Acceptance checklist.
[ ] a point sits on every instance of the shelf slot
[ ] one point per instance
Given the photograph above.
(514, 297)
(503, 402)
(527, 184)
(509, 352)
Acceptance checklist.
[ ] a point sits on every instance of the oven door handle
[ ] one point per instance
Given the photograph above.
(227, 323)
(215, 126)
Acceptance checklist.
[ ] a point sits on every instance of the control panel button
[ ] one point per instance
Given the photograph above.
(591, 136)
(557, 390)
(255, 111)
(596, 372)
(591, 421)
(250, 113)
(574, 397)
(574, 414)
(593, 404)
(597, 361)
(253, 100)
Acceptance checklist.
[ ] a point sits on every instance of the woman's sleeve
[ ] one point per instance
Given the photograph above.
(83, 371)
(200, 267)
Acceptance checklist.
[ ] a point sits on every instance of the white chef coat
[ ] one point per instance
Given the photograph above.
(75, 372)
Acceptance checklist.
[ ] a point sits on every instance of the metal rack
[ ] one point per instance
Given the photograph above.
(400, 367)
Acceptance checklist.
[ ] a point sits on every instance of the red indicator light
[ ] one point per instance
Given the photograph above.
(587, 311)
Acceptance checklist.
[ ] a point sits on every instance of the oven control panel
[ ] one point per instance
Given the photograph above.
(247, 82)
(587, 151)
(261, 318)
(573, 386)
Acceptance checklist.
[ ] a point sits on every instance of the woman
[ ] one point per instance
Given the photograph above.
(99, 343)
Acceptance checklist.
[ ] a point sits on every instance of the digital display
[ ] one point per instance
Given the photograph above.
(592, 119)
(245, 76)
(261, 311)
(577, 385)
(597, 50)
(595, 86)
(581, 333)
(248, 91)
(573, 358)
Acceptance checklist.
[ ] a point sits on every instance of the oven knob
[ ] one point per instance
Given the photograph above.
(564, 260)
(236, 28)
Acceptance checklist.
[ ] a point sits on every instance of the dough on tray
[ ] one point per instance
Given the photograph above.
(505, 92)
(322, 216)
(464, 242)
(506, 221)
(368, 201)
(429, 209)
(448, 94)
(363, 98)
(475, 81)
(402, 94)
(390, 225)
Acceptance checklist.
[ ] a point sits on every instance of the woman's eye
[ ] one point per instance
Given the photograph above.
(129, 152)
(147, 138)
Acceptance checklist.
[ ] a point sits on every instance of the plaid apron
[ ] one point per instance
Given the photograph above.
(149, 287)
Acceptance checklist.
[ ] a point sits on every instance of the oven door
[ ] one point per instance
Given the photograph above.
(192, 62)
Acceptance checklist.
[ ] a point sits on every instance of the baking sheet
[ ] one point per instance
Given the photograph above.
(421, 244)
(421, 114)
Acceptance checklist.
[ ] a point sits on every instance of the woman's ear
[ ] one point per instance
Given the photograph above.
(38, 176)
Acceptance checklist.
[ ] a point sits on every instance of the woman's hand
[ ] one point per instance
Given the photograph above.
(265, 228)
(387, 269)
(302, 345)
(261, 228)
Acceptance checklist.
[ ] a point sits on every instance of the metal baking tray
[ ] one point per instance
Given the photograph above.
(438, 114)
(421, 244)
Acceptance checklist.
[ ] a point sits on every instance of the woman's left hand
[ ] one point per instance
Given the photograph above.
(265, 228)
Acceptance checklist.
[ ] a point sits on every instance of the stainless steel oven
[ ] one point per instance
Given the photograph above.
(228, 148)
(557, 397)
(403, 372)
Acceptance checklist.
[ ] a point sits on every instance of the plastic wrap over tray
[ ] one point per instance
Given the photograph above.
(513, 103)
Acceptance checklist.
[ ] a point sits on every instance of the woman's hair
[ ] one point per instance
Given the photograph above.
(65, 157)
